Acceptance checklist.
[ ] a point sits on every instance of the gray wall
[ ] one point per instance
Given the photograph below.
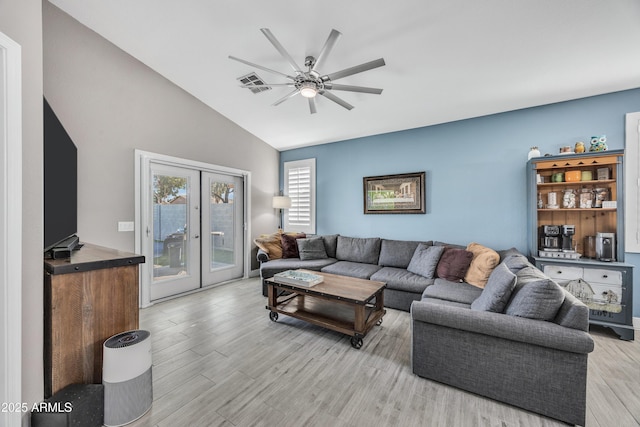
(22, 21)
(111, 104)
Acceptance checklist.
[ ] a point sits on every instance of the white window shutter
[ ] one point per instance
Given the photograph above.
(300, 187)
(632, 183)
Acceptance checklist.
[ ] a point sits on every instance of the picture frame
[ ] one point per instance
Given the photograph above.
(394, 194)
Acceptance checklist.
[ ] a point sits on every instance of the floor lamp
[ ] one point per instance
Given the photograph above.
(281, 203)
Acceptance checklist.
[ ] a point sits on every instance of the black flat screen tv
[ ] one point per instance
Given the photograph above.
(60, 185)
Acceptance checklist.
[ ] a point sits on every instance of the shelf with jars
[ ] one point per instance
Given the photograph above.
(576, 231)
(580, 190)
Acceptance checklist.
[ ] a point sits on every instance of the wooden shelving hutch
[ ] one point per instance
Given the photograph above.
(606, 287)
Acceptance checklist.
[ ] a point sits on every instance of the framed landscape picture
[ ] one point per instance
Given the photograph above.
(403, 194)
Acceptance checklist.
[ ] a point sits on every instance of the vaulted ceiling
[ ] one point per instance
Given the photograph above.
(446, 60)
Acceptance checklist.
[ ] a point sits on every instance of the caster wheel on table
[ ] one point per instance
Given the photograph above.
(273, 316)
(356, 342)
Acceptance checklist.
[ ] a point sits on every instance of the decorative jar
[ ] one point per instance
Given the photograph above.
(533, 152)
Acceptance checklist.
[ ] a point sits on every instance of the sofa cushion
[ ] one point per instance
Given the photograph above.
(269, 268)
(271, 244)
(354, 249)
(311, 248)
(452, 291)
(402, 280)
(453, 264)
(397, 253)
(330, 243)
(289, 244)
(535, 296)
(352, 269)
(483, 262)
(496, 293)
(425, 260)
(573, 313)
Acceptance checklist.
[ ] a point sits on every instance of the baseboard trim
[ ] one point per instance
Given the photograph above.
(636, 323)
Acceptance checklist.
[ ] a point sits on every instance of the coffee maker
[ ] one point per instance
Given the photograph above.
(550, 238)
(606, 246)
(567, 238)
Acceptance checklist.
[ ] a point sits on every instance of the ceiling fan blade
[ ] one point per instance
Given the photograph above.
(326, 49)
(312, 106)
(281, 49)
(337, 100)
(349, 88)
(260, 67)
(284, 98)
(354, 70)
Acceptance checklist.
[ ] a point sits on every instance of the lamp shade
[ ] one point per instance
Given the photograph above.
(281, 202)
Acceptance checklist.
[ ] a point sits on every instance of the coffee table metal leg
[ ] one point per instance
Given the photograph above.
(356, 342)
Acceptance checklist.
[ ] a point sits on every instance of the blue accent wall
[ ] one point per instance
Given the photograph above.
(475, 172)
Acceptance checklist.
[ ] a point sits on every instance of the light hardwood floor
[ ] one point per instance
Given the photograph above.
(219, 361)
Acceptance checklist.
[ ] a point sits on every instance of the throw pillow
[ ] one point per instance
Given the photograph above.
(311, 248)
(290, 246)
(330, 243)
(496, 293)
(516, 263)
(271, 244)
(453, 264)
(535, 296)
(425, 260)
(483, 262)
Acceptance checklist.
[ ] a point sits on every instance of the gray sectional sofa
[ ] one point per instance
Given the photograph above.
(367, 258)
(522, 339)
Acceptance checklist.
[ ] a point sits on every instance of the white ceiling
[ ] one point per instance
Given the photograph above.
(446, 59)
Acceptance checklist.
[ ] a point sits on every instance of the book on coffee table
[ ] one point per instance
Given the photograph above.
(299, 278)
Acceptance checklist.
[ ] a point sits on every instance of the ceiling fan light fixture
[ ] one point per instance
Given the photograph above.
(311, 83)
(308, 90)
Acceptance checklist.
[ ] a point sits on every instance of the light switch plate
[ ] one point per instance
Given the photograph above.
(125, 226)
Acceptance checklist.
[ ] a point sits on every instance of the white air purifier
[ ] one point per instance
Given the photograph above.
(126, 376)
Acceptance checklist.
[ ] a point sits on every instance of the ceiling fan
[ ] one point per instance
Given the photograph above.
(311, 82)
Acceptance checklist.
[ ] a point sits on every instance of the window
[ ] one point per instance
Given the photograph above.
(632, 183)
(300, 186)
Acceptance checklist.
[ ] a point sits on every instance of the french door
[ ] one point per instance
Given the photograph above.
(222, 227)
(191, 218)
(175, 231)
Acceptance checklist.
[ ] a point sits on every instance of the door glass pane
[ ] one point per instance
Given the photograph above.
(170, 223)
(221, 218)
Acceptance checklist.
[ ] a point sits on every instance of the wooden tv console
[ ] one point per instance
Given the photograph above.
(88, 298)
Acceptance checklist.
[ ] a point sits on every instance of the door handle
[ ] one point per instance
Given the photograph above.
(196, 236)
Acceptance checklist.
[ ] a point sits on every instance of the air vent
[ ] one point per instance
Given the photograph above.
(253, 79)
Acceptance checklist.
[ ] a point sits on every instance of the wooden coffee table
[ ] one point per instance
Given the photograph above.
(344, 304)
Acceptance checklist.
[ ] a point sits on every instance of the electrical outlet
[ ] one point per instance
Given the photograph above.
(125, 226)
